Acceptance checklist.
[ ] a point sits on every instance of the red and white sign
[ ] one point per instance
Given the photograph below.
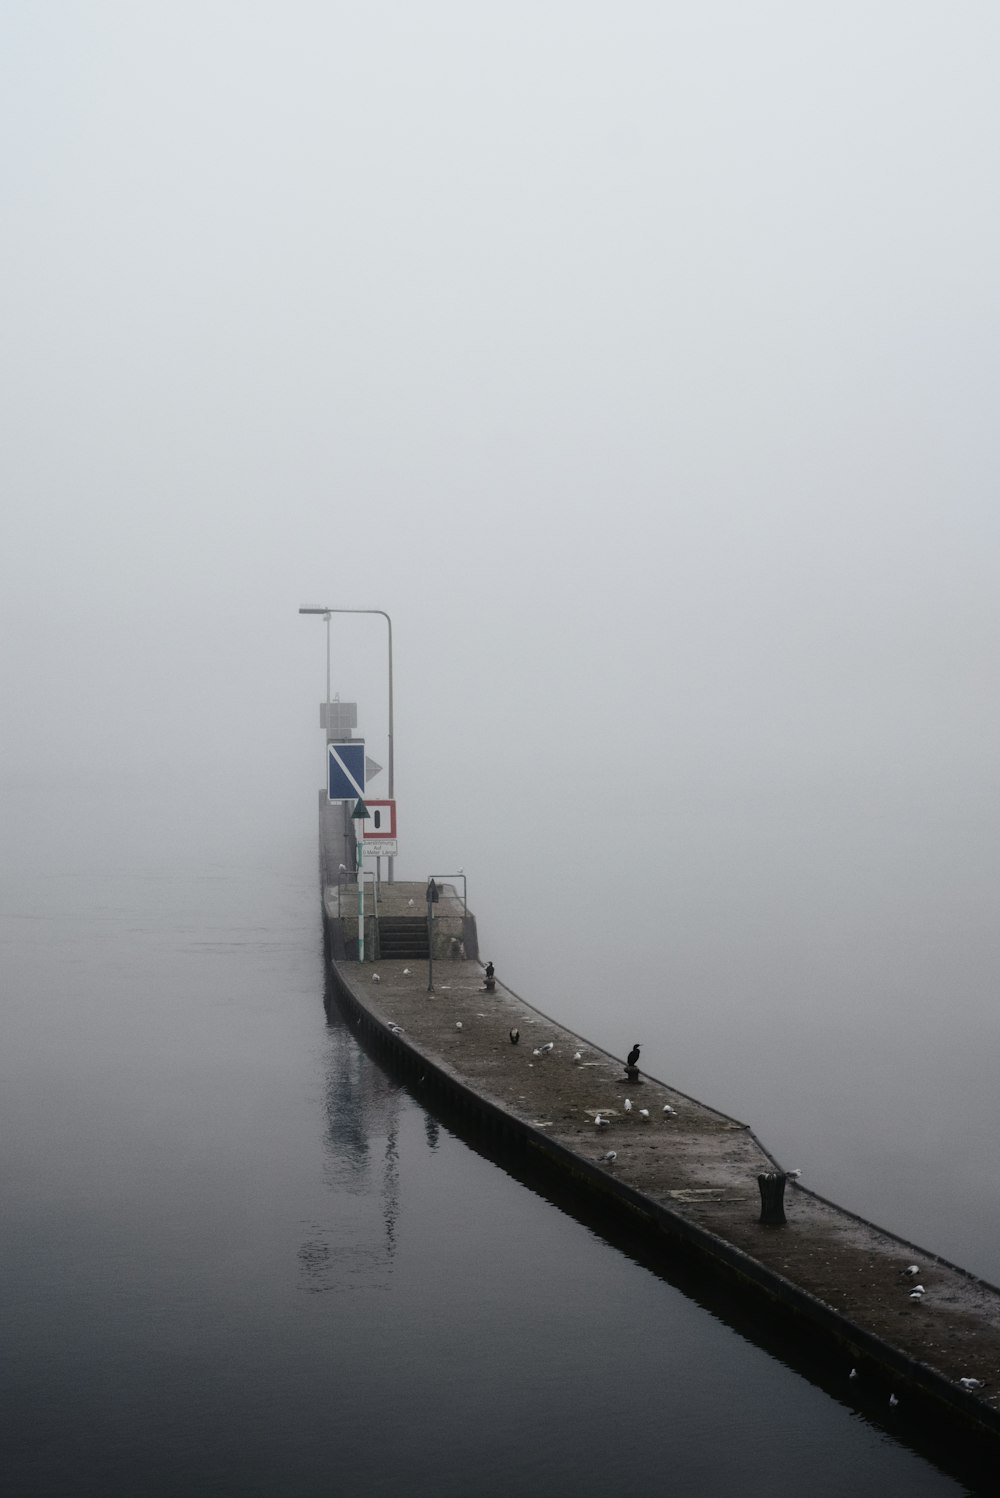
(380, 824)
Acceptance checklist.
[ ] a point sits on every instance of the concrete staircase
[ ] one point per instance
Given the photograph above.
(402, 936)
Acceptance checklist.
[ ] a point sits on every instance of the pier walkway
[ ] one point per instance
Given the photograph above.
(687, 1169)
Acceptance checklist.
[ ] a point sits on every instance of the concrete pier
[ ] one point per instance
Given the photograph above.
(687, 1171)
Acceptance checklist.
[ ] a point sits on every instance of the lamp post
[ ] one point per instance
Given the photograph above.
(326, 614)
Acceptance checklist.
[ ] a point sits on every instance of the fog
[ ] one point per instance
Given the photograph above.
(642, 363)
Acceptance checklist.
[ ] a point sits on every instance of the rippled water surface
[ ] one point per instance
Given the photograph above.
(239, 1259)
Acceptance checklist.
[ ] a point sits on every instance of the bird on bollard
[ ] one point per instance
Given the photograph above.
(632, 1059)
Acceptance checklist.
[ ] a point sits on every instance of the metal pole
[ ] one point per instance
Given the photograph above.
(392, 791)
(361, 908)
(328, 735)
(430, 938)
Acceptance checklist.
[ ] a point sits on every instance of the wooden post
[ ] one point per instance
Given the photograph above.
(772, 1198)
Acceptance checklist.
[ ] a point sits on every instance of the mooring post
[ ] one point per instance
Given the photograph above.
(772, 1198)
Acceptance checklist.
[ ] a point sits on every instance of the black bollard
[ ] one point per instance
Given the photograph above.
(491, 984)
(632, 1072)
(772, 1198)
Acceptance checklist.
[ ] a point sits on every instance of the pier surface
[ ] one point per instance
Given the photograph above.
(692, 1171)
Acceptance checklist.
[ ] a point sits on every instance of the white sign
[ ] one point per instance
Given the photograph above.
(383, 847)
(380, 823)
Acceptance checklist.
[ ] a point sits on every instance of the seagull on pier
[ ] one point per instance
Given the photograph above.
(515, 1035)
(600, 1122)
(893, 1401)
(406, 972)
(910, 1273)
(633, 1056)
(458, 1024)
(543, 1050)
(971, 1384)
(577, 1055)
(376, 978)
(628, 1105)
(918, 1293)
(670, 1112)
(792, 1175)
(644, 1114)
(612, 1156)
(853, 1373)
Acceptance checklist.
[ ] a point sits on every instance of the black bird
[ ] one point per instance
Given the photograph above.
(633, 1055)
(515, 1035)
(489, 970)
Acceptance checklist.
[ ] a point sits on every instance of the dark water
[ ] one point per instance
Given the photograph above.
(240, 1259)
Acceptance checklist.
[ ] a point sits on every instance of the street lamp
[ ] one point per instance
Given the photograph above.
(326, 615)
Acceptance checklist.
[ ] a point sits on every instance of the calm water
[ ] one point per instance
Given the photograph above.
(239, 1259)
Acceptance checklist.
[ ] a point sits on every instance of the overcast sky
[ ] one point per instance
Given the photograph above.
(641, 360)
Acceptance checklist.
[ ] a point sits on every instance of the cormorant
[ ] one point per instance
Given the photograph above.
(515, 1035)
(633, 1056)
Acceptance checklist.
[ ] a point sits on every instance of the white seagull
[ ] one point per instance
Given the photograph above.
(969, 1384)
(670, 1112)
(458, 1024)
(893, 1401)
(612, 1156)
(577, 1055)
(376, 978)
(644, 1114)
(910, 1273)
(600, 1122)
(853, 1373)
(628, 1105)
(406, 972)
(543, 1050)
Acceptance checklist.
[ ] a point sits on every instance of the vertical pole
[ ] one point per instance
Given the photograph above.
(327, 678)
(361, 903)
(430, 936)
(392, 790)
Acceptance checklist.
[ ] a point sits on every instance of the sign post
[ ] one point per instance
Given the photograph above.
(359, 814)
(432, 898)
